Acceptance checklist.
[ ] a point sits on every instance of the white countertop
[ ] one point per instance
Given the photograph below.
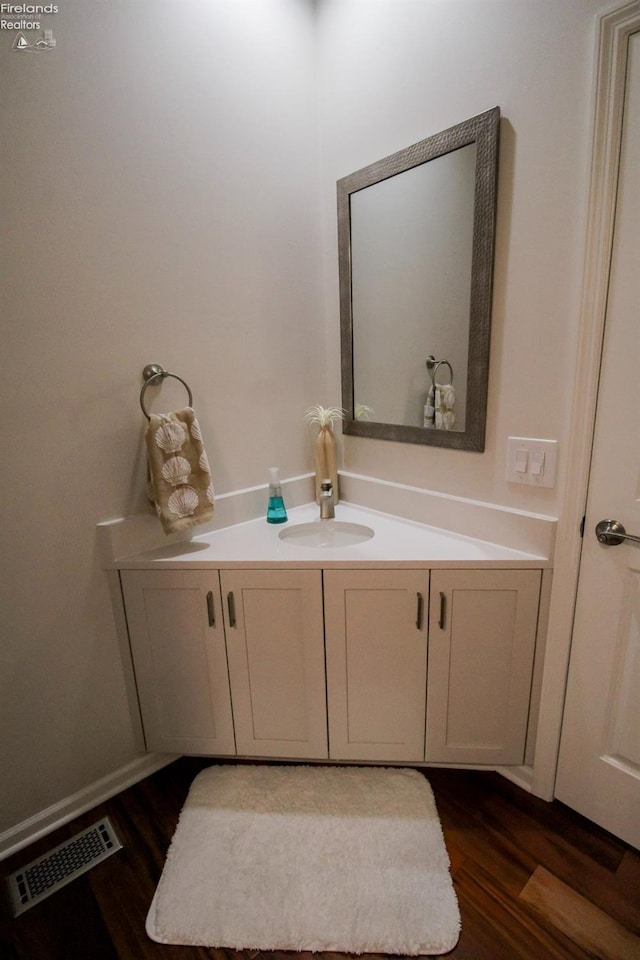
(397, 542)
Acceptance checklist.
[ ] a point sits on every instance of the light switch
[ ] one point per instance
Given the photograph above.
(537, 463)
(532, 461)
(522, 460)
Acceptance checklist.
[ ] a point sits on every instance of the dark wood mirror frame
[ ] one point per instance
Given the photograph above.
(483, 130)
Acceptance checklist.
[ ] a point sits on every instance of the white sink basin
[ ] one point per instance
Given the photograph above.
(326, 533)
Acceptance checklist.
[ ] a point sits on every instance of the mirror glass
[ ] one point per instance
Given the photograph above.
(416, 238)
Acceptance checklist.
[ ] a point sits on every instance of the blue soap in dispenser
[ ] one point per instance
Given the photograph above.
(276, 512)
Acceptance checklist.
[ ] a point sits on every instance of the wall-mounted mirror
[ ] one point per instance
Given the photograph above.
(416, 246)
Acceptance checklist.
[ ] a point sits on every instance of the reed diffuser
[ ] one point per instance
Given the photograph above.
(326, 464)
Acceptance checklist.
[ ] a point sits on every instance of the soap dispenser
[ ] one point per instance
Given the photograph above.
(276, 512)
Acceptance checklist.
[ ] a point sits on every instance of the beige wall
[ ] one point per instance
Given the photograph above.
(166, 197)
(158, 204)
(393, 73)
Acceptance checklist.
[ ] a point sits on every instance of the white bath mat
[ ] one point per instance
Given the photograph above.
(348, 859)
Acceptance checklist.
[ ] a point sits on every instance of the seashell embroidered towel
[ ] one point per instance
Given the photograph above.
(439, 411)
(180, 483)
(445, 406)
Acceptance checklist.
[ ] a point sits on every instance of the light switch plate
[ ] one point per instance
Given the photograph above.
(540, 458)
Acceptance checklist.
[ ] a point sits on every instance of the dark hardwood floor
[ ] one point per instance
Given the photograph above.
(534, 880)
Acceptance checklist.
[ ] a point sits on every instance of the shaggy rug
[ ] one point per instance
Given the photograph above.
(348, 859)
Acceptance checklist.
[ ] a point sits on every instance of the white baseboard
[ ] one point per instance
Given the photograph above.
(522, 776)
(49, 819)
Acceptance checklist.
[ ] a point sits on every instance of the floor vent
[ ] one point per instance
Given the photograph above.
(42, 877)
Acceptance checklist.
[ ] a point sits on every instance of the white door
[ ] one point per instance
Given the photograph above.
(482, 636)
(599, 763)
(376, 644)
(275, 647)
(177, 642)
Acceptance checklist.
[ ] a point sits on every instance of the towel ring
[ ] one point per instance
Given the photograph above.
(433, 364)
(154, 372)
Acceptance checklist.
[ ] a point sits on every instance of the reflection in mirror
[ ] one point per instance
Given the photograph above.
(416, 237)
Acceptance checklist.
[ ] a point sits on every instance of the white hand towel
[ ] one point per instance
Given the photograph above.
(430, 408)
(179, 474)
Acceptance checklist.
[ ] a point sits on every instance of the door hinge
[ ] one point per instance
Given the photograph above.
(582, 523)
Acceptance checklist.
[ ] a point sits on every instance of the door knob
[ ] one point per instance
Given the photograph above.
(611, 533)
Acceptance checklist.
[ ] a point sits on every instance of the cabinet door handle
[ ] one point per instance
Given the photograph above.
(231, 605)
(419, 611)
(443, 611)
(211, 610)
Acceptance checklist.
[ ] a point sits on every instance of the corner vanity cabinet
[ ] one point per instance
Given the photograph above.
(229, 661)
(364, 664)
(447, 681)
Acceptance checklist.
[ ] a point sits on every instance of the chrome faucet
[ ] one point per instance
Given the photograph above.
(327, 508)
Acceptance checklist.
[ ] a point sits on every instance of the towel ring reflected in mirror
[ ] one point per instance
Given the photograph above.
(154, 374)
(433, 365)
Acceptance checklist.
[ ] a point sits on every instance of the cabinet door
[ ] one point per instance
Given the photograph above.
(376, 645)
(482, 631)
(177, 641)
(275, 645)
